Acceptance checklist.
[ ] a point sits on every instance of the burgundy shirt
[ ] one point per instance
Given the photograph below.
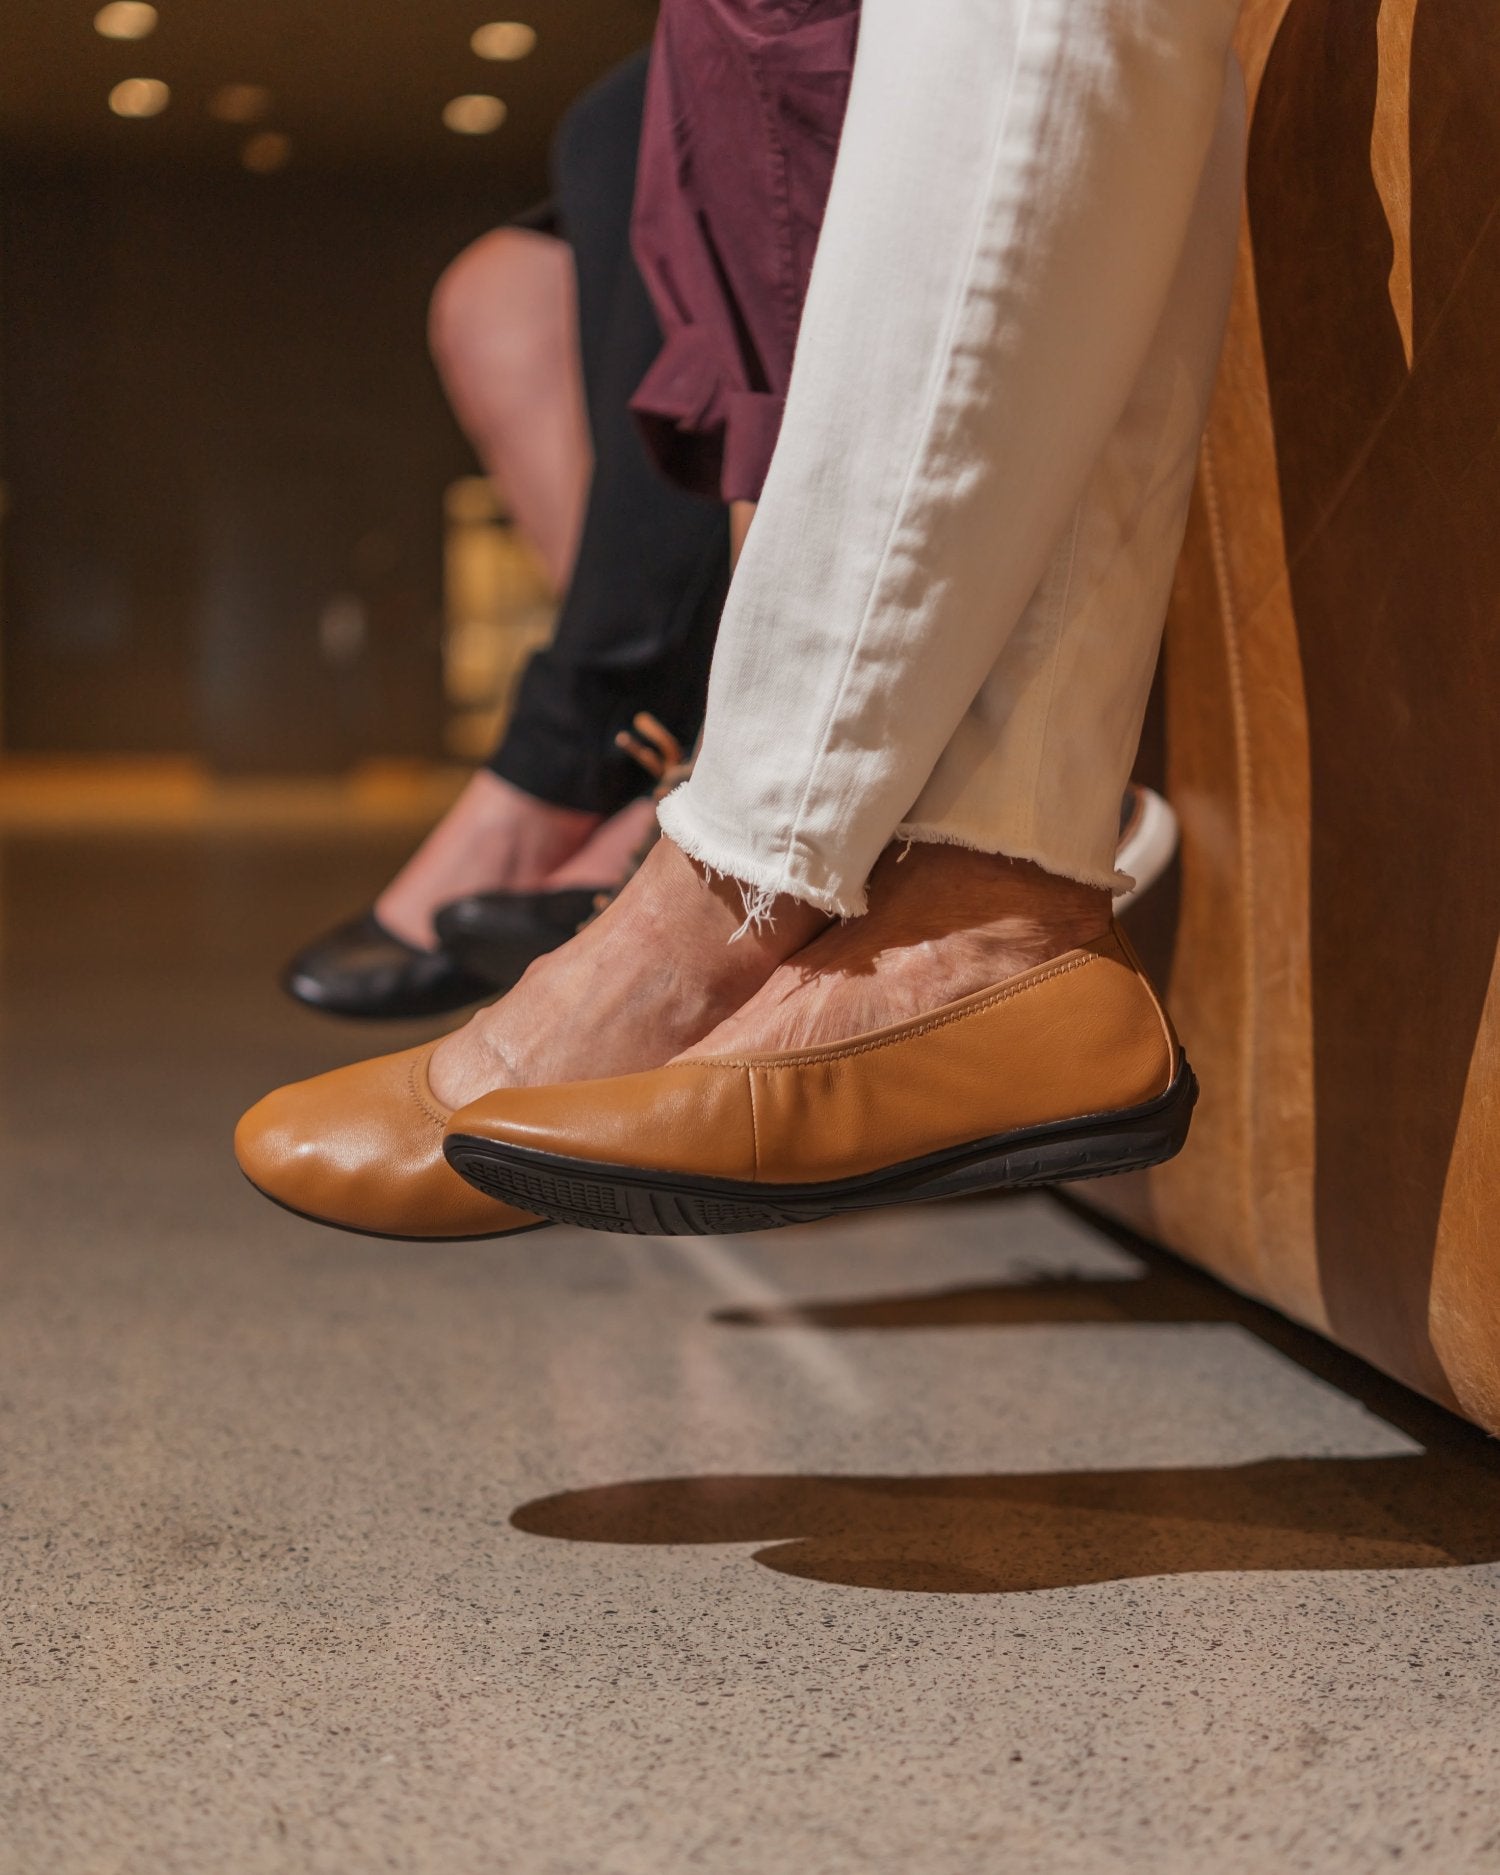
(744, 106)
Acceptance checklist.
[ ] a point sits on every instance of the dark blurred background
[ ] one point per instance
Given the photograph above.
(235, 506)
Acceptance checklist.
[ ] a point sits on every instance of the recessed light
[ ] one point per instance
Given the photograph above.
(139, 97)
(266, 151)
(474, 115)
(504, 39)
(239, 104)
(125, 19)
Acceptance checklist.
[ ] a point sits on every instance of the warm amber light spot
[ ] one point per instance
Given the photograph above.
(504, 39)
(139, 97)
(125, 19)
(474, 115)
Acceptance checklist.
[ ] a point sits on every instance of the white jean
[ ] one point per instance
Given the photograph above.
(947, 615)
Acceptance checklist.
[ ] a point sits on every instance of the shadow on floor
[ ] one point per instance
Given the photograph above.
(1003, 1534)
(995, 1534)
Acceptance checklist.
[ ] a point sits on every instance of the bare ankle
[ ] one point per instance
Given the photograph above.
(944, 889)
(700, 918)
(493, 838)
(717, 906)
(944, 922)
(654, 973)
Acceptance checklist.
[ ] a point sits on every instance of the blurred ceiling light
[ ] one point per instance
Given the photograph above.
(266, 151)
(474, 115)
(139, 97)
(504, 39)
(125, 19)
(239, 104)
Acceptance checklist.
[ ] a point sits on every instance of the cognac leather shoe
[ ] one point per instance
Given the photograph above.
(1068, 1071)
(495, 935)
(362, 1148)
(361, 969)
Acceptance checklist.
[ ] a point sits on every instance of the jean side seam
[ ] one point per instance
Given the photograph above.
(1055, 626)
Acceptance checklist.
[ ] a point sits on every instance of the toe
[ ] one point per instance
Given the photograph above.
(362, 1148)
(282, 1142)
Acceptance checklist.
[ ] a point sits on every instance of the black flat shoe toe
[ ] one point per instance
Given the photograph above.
(361, 969)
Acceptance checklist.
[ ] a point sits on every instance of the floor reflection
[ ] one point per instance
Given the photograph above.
(1043, 1299)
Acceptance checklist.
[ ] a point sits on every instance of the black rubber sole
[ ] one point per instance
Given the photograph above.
(670, 1204)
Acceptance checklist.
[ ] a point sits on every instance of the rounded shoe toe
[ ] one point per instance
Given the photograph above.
(361, 1148)
(272, 1143)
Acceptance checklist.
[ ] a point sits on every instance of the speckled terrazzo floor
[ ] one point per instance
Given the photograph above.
(958, 1540)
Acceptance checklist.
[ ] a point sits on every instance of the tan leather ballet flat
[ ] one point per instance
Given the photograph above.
(1068, 1071)
(362, 1148)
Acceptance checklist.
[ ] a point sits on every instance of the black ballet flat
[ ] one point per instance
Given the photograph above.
(495, 935)
(361, 969)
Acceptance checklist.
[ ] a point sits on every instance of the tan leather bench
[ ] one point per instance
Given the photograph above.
(1333, 709)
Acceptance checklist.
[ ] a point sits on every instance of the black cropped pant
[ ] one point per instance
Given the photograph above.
(636, 627)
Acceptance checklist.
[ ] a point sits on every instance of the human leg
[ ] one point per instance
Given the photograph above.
(1030, 233)
(503, 328)
(559, 806)
(974, 613)
(963, 703)
(525, 352)
(637, 623)
(972, 475)
(656, 970)
(1017, 825)
(534, 348)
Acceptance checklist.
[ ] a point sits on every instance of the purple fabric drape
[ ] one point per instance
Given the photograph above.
(744, 108)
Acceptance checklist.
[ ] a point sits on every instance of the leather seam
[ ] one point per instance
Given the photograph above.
(438, 1118)
(810, 1057)
(1169, 1036)
(754, 1126)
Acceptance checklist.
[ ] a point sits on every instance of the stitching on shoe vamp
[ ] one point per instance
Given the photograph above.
(754, 1126)
(438, 1118)
(807, 1057)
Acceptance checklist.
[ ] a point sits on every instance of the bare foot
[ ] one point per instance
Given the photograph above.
(494, 838)
(648, 978)
(604, 858)
(943, 922)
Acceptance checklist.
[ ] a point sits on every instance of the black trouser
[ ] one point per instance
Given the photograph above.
(636, 629)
